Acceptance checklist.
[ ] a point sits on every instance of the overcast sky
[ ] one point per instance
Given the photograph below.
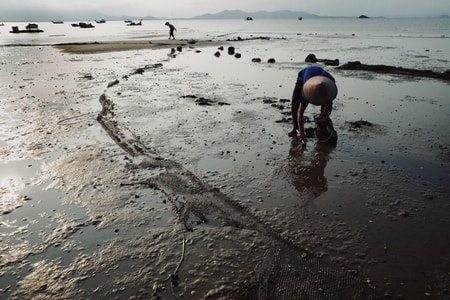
(192, 8)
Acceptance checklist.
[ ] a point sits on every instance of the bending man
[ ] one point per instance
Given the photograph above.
(316, 86)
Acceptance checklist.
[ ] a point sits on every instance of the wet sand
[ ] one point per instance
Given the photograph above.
(155, 173)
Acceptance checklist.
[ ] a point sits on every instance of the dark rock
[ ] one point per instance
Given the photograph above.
(311, 58)
(329, 62)
(231, 50)
(360, 123)
(179, 48)
(384, 69)
(256, 60)
(189, 96)
(217, 54)
(237, 55)
(271, 60)
(204, 101)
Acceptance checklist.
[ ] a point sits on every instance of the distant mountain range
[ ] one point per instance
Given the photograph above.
(45, 15)
(239, 14)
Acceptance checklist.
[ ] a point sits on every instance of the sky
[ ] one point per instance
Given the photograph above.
(192, 8)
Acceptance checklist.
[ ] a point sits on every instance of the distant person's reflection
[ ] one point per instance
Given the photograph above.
(307, 168)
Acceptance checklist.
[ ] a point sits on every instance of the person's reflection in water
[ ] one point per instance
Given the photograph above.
(308, 168)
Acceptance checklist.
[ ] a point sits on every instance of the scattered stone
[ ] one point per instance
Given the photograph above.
(428, 196)
(189, 96)
(256, 60)
(359, 124)
(217, 54)
(403, 213)
(113, 83)
(271, 60)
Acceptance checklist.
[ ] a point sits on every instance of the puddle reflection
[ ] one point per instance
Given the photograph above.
(307, 168)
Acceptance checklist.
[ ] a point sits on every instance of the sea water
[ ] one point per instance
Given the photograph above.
(422, 43)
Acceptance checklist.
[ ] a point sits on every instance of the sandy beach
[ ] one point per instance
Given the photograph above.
(163, 170)
(100, 47)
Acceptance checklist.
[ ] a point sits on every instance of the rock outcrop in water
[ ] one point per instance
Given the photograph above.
(385, 69)
(311, 58)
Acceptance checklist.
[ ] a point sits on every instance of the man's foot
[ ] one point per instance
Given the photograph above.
(292, 133)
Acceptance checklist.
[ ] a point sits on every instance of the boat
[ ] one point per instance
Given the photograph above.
(1, 24)
(100, 21)
(300, 18)
(86, 25)
(30, 28)
(57, 22)
(131, 23)
(249, 19)
(83, 25)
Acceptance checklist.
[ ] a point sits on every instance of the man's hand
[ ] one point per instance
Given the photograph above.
(301, 137)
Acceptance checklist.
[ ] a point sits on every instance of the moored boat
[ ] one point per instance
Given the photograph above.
(83, 25)
(131, 23)
(30, 28)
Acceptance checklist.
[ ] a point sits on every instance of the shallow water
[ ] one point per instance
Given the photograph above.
(85, 218)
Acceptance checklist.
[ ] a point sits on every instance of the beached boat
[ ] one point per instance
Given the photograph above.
(30, 28)
(131, 23)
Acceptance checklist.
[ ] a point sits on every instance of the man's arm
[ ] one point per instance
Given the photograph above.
(325, 110)
(300, 122)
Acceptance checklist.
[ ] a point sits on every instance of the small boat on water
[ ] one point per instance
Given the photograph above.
(30, 28)
(57, 22)
(83, 25)
(132, 23)
(101, 21)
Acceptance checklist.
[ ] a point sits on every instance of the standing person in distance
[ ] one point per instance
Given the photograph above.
(171, 30)
(316, 86)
